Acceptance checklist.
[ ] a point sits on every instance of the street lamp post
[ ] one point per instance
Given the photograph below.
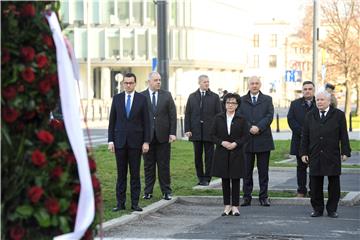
(162, 43)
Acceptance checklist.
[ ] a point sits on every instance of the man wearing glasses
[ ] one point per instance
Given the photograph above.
(128, 137)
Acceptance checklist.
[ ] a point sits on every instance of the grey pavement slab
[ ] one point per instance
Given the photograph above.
(201, 220)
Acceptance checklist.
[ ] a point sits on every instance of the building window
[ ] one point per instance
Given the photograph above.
(174, 44)
(272, 61)
(113, 44)
(141, 45)
(123, 11)
(128, 44)
(174, 13)
(95, 12)
(109, 12)
(256, 41)
(153, 44)
(255, 61)
(150, 13)
(64, 12)
(79, 12)
(137, 12)
(273, 41)
(97, 83)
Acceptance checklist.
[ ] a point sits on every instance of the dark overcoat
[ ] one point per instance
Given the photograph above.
(324, 141)
(194, 114)
(229, 164)
(163, 118)
(295, 117)
(261, 115)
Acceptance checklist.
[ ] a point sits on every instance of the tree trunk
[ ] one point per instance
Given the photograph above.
(358, 99)
(347, 98)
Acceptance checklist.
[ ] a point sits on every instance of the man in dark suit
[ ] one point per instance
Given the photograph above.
(258, 110)
(296, 115)
(201, 108)
(128, 137)
(162, 114)
(324, 144)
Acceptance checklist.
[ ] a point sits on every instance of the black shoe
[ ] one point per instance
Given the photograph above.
(247, 202)
(136, 208)
(333, 214)
(121, 207)
(264, 202)
(147, 196)
(316, 214)
(167, 196)
(203, 183)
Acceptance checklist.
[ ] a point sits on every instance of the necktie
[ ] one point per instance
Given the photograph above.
(154, 101)
(128, 105)
(254, 99)
(322, 114)
(308, 103)
(201, 99)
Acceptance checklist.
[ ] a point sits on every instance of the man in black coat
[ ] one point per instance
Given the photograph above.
(324, 144)
(258, 110)
(128, 137)
(201, 108)
(296, 115)
(162, 114)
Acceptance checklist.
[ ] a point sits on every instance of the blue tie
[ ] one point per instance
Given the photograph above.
(128, 105)
(154, 101)
(254, 100)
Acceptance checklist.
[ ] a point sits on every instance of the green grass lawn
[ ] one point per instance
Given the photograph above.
(183, 175)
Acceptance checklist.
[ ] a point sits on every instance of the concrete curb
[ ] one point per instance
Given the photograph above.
(351, 199)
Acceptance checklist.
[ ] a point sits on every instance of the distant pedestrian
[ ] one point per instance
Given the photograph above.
(296, 115)
(324, 144)
(128, 137)
(162, 114)
(331, 89)
(229, 133)
(258, 110)
(201, 108)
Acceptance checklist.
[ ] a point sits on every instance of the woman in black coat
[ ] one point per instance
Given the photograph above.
(229, 133)
(324, 143)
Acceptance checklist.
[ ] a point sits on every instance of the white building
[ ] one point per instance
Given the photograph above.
(115, 36)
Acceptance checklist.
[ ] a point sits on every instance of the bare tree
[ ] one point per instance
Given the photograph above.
(341, 39)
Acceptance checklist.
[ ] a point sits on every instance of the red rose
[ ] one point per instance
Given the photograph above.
(28, 10)
(92, 164)
(45, 137)
(35, 193)
(57, 172)
(5, 56)
(27, 53)
(41, 60)
(9, 114)
(38, 158)
(17, 232)
(28, 75)
(29, 115)
(73, 208)
(52, 205)
(48, 41)
(53, 79)
(9, 92)
(70, 158)
(57, 124)
(20, 126)
(95, 182)
(76, 188)
(20, 88)
(44, 86)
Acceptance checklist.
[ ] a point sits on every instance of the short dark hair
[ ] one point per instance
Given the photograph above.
(129, 75)
(232, 95)
(308, 82)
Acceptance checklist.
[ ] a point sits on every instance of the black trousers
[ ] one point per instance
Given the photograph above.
(317, 194)
(262, 163)
(158, 155)
(199, 148)
(234, 191)
(128, 157)
(301, 175)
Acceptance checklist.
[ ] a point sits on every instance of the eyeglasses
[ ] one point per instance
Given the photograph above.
(128, 83)
(231, 103)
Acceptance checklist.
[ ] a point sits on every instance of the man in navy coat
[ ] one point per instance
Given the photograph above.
(128, 137)
(258, 110)
(296, 115)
